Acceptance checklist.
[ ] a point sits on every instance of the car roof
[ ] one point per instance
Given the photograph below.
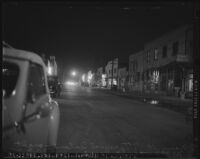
(22, 54)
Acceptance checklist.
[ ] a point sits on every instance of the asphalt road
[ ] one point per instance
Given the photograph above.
(95, 121)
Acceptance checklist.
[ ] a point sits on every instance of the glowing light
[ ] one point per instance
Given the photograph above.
(73, 73)
(114, 82)
(103, 76)
(14, 92)
(154, 102)
(4, 70)
(49, 70)
(71, 83)
(83, 77)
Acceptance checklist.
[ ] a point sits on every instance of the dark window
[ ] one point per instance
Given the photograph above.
(36, 80)
(10, 73)
(175, 48)
(138, 76)
(155, 54)
(114, 70)
(164, 52)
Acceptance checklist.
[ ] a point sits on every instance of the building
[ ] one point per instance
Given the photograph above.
(89, 78)
(122, 76)
(101, 77)
(53, 65)
(136, 71)
(111, 70)
(167, 63)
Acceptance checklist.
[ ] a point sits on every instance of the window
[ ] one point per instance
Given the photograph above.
(175, 48)
(155, 54)
(36, 80)
(10, 73)
(164, 51)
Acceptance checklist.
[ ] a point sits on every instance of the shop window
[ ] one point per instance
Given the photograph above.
(190, 82)
(155, 77)
(156, 54)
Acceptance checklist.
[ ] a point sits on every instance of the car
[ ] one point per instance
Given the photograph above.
(30, 116)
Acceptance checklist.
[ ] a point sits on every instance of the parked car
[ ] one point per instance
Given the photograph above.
(30, 116)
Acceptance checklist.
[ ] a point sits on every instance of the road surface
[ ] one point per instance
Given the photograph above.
(95, 121)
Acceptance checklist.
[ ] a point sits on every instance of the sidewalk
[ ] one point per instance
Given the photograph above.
(173, 103)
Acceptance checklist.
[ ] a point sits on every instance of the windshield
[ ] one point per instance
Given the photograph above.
(10, 73)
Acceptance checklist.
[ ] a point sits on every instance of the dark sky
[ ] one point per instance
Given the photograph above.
(85, 36)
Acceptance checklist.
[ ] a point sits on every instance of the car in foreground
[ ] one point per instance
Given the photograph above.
(30, 116)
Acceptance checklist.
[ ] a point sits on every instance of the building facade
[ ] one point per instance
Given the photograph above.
(167, 63)
(122, 78)
(136, 71)
(101, 77)
(111, 71)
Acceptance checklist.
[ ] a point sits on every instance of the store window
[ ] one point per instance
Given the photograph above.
(190, 82)
(155, 54)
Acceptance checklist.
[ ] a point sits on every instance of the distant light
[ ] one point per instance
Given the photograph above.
(70, 83)
(103, 76)
(126, 8)
(4, 70)
(73, 73)
(83, 77)
(90, 77)
(50, 70)
(154, 102)
(14, 92)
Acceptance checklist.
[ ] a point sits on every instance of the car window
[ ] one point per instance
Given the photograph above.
(36, 80)
(10, 73)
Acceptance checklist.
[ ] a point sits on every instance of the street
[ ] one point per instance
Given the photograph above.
(95, 121)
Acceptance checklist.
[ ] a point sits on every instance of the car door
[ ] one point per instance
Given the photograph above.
(36, 127)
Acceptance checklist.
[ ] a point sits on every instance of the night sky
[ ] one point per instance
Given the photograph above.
(85, 36)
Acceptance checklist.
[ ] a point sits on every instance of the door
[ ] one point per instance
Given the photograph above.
(36, 127)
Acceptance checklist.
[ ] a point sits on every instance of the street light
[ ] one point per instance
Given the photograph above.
(50, 70)
(73, 73)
